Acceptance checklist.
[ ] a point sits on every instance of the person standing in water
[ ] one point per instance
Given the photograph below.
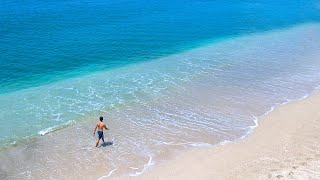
(100, 126)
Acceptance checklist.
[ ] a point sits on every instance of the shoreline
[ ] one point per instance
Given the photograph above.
(208, 105)
(277, 148)
(185, 53)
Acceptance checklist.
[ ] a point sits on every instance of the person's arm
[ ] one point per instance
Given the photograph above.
(94, 132)
(105, 126)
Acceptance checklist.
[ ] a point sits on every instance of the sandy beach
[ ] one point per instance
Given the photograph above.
(285, 145)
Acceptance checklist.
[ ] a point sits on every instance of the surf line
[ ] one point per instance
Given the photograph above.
(110, 173)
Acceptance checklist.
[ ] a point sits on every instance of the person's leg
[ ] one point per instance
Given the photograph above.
(97, 142)
(100, 136)
(103, 139)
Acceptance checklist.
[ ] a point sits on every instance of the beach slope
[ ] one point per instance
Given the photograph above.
(286, 144)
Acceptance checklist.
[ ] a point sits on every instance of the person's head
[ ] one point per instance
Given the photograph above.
(101, 118)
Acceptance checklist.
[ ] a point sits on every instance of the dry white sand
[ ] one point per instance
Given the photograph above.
(285, 145)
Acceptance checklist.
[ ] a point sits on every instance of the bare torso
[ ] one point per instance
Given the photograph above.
(100, 126)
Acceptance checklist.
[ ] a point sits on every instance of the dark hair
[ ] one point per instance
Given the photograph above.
(101, 118)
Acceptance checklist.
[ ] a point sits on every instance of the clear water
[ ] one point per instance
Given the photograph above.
(165, 74)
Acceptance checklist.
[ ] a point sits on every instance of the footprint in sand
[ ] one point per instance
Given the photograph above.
(308, 159)
(303, 163)
(279, 176)
(273, 170)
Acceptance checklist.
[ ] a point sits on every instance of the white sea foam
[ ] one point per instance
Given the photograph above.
(200, 144)
(47, 130)
(145, 167)
(54, 128)
(110, 173)
(257, 118)
(224, 142)
(192, 144)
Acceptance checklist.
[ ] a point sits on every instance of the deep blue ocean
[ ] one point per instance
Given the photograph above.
(46, 41)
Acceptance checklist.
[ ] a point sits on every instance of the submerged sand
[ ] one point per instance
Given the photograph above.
(286, 144)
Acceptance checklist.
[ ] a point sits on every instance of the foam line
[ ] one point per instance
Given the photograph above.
(54, 128)
(256, 118)
(145, 167)
(110, 173)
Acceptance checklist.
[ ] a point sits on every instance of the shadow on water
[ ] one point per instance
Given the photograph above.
(107, 143)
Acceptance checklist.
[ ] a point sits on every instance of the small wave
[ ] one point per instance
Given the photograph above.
(110, 173)
(256, 118)
(224, 142)
(193, 144)
(145, 167)
(54, 128)
(47, 130)
(200, 144)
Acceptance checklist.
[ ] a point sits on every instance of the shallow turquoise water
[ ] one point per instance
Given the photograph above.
(62, 60)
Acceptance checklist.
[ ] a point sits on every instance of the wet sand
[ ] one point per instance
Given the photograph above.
(285, 145)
